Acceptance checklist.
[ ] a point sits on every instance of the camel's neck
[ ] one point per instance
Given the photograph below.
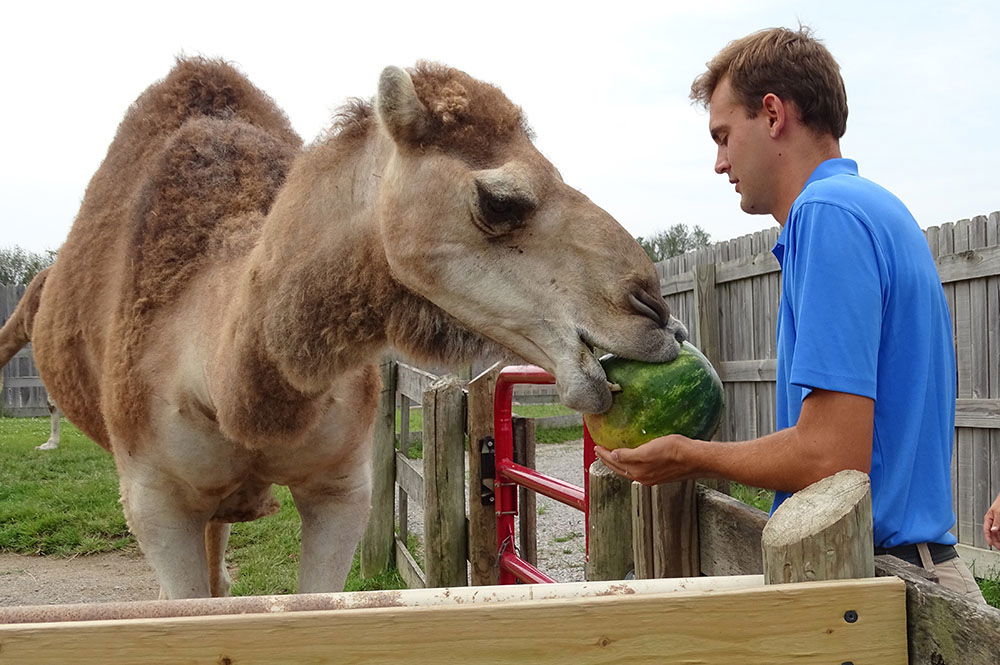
(317, 297)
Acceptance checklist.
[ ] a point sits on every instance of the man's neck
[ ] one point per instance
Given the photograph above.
(797, 168)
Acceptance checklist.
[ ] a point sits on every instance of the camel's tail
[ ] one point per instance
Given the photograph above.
(17, 331)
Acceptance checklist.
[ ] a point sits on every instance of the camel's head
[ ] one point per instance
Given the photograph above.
(477, 221)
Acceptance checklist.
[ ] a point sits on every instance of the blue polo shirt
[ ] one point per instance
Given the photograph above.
(862, 311)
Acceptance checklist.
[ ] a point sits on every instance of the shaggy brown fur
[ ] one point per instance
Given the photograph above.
(468, 117)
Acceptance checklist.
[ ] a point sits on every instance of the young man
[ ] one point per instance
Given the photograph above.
(865, 368)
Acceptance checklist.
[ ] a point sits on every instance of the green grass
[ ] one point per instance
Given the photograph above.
(752, 496)
(415, 449)
(58, 502)
(65, 502)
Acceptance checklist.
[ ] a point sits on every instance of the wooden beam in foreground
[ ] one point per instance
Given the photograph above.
(705, 622)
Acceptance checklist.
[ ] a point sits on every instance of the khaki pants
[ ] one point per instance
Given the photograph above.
(954, 575)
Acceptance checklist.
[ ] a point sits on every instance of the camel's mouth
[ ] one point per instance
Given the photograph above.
(580, 378)
(581, 381)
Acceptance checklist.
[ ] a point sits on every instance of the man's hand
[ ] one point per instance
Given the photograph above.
(991, 524)
(834, 433)
(658, 461)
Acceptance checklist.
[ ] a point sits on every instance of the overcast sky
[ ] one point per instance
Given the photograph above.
(604, 86)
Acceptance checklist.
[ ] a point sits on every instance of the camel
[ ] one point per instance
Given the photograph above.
(216, 315)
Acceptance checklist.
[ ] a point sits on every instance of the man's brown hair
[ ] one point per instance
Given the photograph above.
(792, 64)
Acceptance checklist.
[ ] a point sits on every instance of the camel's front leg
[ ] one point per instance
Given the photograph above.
(170, 531)
(216, 539)
(334, 515)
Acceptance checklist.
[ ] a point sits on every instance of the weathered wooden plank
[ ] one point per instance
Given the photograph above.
(482, 545)
(527, 501)
(969, 263)
(706, 306)
(675, 284)
(753, 265)
(968, 526)
(735, 371)
(642, 530)
(980, 413)
(413, 382)
(402, 497)
(376, 545)
(943, 627)
(444, 483)
(675, 530)
(946, 245)
(408, 567)
(729, 535)
(409, 478)
(979, 382)
(23, 382)
(622, 626)
(993, 343)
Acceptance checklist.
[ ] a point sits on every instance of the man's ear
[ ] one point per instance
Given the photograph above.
(776, 111)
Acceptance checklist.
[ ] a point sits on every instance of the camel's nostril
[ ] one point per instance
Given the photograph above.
(649, 306)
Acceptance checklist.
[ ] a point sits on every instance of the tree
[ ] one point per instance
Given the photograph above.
(675, 240)
(19, 266)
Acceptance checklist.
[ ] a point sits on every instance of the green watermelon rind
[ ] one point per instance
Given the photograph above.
(684, 397)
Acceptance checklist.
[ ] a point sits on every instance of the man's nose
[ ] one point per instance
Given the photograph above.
(721, 163)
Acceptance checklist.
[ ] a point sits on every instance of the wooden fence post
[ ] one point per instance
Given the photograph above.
(665, 533)
(708, 333)
(377, 545)
(444, 483)
(610, 556)
(482, 518)
(527, 515)
(822, 532)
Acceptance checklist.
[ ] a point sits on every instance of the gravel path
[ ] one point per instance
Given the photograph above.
(561, 542)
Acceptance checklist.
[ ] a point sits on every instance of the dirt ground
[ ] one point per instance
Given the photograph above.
(36, 580)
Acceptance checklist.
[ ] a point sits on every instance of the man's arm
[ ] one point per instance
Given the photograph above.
(834, 432)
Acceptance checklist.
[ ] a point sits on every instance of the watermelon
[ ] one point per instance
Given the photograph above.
(684, 396)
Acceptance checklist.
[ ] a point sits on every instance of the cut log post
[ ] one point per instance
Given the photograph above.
(665, 530)
(642, 531)
(610, 556)
(675, 530)
(482, 517)
(444, 483)
(822, 532)
(377, 545)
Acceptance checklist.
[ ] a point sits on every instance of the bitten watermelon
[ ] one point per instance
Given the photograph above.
(684, 396)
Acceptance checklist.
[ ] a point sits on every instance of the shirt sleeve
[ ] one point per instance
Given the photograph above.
(836, 296)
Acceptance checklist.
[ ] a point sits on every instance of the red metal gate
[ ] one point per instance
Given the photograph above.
(509, 475)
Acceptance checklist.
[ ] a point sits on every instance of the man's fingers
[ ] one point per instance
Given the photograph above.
(608, 457)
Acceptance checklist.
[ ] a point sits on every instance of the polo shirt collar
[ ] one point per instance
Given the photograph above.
(827, 169)
(832, 167)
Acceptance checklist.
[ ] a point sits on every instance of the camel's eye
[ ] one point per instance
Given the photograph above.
(502, 211)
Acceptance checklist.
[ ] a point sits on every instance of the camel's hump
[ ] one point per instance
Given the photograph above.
(202, 87)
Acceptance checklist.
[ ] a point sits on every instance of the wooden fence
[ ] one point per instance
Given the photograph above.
(728, 295)
(23, 393)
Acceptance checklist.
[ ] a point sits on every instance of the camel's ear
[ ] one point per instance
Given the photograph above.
(399, 109)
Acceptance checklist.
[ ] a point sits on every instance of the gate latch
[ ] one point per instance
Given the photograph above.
(487, 470)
